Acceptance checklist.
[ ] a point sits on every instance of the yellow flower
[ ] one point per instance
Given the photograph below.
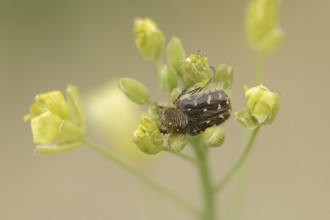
(57, 125)
(147, 136)
(195, 69)
(148, 38)
(262, 107)
(262, 25)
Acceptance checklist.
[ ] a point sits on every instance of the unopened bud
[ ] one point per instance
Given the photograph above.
(175, 54)
(134, 90)
(195, 69)
(147, 136)
(263, 31)
(167, 77)
(224, 76)
(214, 136)
(148, 38)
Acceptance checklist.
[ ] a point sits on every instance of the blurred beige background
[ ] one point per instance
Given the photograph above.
(46, 44)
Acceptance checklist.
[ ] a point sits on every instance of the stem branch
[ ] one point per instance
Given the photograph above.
(146, 179)
(244, 156)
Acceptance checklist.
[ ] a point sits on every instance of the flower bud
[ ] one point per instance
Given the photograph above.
(175, 93)
(134, 90)
(263, 31)
(214, 137)
(148, 38)
(175, 54)
(195, 69)
(224, 76)
(57, 125)
(147, 136)
(177, 143)
(262, 107)
(167, 77)
(262, 103)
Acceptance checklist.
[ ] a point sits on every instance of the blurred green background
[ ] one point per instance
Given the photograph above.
(46, 44)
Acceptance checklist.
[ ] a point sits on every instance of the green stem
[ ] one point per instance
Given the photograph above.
(206, 182)
(240, 162)
(259, 69)
(146, 179)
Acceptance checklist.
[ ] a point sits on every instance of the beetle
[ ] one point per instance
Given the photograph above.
(194, 110)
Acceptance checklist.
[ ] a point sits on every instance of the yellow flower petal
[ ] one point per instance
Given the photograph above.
(45, 128)
(54, 101)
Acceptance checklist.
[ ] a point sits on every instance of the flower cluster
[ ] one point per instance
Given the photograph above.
(193, 70)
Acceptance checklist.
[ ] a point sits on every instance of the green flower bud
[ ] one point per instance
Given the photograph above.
(175, 93)
(177, 143)
(134, 90)
(147, 136)
(148, 38)
(175, 54)
(262, 103)
(195, 69)
(55, 121)
(262, 107)
(214, 136)
(263, 31)
(224, 76)
(167, 77)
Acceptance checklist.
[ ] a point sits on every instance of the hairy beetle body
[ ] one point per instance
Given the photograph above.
(195, 110)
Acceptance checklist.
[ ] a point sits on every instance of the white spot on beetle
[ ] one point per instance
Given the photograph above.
(205, 110)
(209, 98)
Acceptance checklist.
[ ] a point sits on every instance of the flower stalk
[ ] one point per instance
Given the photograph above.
(240, 162)
(174, 197)
(205, 178)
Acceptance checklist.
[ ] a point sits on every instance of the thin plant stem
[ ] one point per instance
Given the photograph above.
(259, 69)
(206, 182)
(146, 179)
(240, 162)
